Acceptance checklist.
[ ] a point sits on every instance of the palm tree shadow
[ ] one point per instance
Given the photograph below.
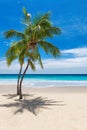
(32, 105)
(10, 96)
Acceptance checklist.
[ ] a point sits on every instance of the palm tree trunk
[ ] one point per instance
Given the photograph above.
(20, 91)
(19, 75)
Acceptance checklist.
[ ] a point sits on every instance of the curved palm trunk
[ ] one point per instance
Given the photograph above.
(19, 75)
(20, 90)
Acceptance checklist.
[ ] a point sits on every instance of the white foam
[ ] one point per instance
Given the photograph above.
(43, 83)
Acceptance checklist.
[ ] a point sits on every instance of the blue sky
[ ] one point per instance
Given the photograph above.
(70, 16)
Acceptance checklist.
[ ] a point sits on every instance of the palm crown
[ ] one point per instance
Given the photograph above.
(36, 33)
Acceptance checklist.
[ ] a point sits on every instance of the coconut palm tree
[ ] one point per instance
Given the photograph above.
(35, 37)
(18, 51)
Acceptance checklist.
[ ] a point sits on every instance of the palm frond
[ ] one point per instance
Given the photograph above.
(40, 18)
(24, 11)
(13, 33)
(31, 55)
(40, 61)
(27, 17)
(49, 48)
(11, 55)
(54, 30)
(20, 45)
(21, 56)
(10, 59)
(32, 65)
(44, 28)
(36, 50)
(13, 52)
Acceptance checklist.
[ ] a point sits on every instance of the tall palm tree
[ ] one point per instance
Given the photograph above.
(35, 37)
(19, 51)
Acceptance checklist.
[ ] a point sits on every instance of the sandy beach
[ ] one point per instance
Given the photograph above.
(43, 108)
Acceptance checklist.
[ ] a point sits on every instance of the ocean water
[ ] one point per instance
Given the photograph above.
(45, 80)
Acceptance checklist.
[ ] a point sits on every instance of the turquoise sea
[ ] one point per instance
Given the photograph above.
(46, 80)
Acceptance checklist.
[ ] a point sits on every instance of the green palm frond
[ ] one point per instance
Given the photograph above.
(49, 48)
(17, 50)
(24, 11)
(11, 52)
(28, 31)
(43, 28)
(21, 56)
(40, 61)
(13, 33)
(10, 59)
(11, 55)
(32, 65)
(20, 45)
(41, 18)
(27, 17)
(54, 30)
(32, 55)
(36, 50)
(47, 32)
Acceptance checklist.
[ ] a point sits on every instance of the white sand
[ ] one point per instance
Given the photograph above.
(32, 113)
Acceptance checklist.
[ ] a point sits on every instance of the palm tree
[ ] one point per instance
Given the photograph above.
(18, 51)
(35, 37)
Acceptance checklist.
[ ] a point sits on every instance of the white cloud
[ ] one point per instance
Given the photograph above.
(66, 63)
(76, 51)
(78, 64)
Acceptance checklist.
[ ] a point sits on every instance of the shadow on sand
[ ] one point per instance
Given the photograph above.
(33, 105)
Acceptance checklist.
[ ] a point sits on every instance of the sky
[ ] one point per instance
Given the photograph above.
(70, 16)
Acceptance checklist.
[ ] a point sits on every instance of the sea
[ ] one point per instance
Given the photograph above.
(46, 80)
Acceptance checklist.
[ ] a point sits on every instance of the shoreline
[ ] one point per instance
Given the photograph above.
(57, 89)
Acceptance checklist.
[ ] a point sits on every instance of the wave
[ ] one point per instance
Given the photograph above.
(37, 83)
